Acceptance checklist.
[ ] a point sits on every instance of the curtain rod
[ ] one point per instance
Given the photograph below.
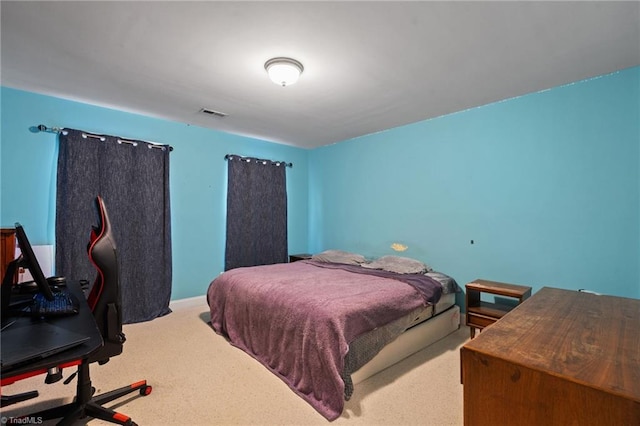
(231, 156)
(43, 128)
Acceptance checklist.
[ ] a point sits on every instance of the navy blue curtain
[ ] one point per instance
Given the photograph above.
(256, 212)
(133, 179)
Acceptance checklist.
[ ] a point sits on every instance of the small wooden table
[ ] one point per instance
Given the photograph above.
(481, 314)
(299, 256)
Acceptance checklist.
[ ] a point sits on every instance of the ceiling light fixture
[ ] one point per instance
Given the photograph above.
(283, 71)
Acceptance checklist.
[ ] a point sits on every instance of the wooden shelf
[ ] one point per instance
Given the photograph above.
(480, 313)
(494, 310)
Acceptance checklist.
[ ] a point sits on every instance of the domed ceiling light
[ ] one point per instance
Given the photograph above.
(283, 71)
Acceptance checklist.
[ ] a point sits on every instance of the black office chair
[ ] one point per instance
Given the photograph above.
(105, 302)
(104, 298)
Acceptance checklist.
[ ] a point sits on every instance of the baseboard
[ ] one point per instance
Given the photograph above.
(188, 302)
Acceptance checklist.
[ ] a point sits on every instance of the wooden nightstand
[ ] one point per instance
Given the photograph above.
(481, 314)
(299, 256)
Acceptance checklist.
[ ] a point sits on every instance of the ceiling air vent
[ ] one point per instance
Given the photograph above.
(212, 112)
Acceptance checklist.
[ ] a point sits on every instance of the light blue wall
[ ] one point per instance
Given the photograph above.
(197, 178)
(547, 185)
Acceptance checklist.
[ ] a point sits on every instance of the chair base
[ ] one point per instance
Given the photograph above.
(87, 405)
(13, 399)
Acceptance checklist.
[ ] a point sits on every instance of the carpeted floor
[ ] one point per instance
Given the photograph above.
(198, 378)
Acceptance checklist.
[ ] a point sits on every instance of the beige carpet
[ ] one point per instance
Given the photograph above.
(198, 378)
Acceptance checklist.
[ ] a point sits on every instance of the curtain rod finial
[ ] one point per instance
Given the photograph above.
(43, 128)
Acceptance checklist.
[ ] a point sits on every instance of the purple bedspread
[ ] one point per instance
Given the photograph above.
(298, 318)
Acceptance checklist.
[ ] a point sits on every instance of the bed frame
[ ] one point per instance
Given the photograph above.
(411, 341)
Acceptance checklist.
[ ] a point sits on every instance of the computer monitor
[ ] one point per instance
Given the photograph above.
(29, 261)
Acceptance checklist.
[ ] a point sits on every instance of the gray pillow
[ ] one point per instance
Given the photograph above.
(449, 285)
(398, 264)
(339, 256)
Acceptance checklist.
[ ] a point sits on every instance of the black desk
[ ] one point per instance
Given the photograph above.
(85, 404)
(82, 323)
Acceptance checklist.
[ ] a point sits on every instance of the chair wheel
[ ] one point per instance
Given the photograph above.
(145, 390)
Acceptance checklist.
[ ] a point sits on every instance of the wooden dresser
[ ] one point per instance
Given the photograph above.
(560, 358)
(7, 248)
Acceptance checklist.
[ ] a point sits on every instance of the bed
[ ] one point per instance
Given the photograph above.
(323, 326)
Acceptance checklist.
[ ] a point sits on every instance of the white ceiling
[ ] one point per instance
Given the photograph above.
(369, 66)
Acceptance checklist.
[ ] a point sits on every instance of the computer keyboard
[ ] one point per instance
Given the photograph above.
(63, 303)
